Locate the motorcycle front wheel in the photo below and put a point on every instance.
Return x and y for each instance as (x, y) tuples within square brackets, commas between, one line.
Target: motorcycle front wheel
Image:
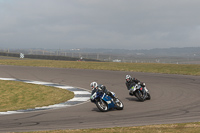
[(102, 105), (148, 96), (140, 96), (119, 104)]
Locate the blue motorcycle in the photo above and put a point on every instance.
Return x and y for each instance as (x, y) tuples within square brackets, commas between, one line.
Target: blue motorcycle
[(105, 102)]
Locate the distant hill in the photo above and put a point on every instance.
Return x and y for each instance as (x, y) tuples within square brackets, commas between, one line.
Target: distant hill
[(179, 52), (187, 55), (183, 52)]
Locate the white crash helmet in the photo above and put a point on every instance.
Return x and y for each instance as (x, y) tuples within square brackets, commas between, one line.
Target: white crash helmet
[(128, 78), (93, 85)]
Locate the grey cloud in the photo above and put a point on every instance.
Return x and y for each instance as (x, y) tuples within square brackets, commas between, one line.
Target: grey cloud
[(119, 24)]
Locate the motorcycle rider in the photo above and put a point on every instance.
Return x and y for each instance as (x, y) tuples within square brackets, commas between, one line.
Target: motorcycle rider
[(100, 88), (94, 87), (130, 82)]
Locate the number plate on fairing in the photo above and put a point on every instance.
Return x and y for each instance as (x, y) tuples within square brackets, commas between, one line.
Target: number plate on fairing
[(109, 102)]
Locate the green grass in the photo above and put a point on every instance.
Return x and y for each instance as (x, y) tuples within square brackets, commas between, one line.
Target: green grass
[(18, 95), (184, 69), (165, 128)]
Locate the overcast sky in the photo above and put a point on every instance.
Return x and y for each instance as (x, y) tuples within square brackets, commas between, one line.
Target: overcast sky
[(115, 24)]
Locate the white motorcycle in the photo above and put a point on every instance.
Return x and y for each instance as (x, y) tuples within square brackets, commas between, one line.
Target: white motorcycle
[(140, 91)]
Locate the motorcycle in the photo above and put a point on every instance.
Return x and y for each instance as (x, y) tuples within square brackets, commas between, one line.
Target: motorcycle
[(140, 92), (105, 102)]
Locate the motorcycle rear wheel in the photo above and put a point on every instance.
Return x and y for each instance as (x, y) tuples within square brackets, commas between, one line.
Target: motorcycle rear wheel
[(102, 105)]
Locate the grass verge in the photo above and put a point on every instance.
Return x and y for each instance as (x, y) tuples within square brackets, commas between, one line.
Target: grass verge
[(18, 95), (164, 128), (184, 69)]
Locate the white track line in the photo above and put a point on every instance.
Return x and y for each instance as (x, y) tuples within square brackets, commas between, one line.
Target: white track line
[(81, 95)]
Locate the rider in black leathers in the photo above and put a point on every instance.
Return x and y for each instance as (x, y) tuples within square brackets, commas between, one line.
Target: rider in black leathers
[(130, 82), (100, 88)]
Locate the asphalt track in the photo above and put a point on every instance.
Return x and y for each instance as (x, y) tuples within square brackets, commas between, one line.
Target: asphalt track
[(175, 99)]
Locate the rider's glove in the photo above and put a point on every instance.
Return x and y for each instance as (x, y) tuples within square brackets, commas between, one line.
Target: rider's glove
[(93, 97)]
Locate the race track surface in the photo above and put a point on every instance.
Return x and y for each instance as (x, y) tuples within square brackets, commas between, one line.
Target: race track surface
[(175, 99)]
